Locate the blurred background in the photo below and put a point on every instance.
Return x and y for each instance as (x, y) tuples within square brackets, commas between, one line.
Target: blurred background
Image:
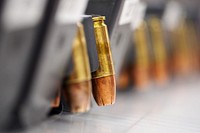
[(100, 66)]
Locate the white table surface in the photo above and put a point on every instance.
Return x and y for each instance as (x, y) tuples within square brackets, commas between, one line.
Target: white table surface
[(174, 108)]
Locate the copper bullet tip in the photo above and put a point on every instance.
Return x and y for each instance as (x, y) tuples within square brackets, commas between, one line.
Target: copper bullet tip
[(77, 96), (104, 90)]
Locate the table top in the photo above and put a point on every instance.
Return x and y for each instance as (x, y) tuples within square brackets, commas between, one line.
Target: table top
[(173, 108)]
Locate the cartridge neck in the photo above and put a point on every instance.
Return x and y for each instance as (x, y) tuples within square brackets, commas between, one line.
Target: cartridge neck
[(98, 21)]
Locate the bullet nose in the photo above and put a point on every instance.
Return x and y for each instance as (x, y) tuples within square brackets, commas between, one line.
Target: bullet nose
[(104, 90)]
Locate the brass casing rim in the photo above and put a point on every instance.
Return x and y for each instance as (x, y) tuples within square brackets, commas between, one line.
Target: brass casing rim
[(98, 18)]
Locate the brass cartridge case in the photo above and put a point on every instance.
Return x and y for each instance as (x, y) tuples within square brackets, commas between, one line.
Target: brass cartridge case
[(77, 87), (159, 64), (103, 80)]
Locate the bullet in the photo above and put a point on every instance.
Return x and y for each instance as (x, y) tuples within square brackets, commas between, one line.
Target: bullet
[(159, 62), (140, 70), (77, 87), (103, 80), (181, 60)]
